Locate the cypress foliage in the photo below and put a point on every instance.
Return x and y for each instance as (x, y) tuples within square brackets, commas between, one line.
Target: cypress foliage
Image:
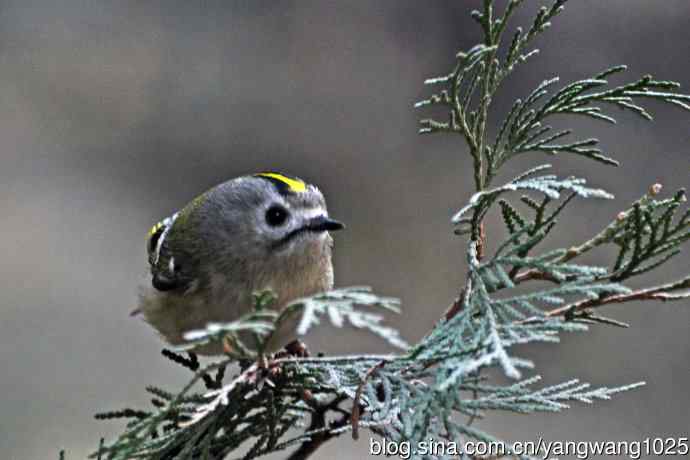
[(435, 388)]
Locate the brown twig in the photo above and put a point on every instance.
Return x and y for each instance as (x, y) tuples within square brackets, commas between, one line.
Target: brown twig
[(481, 242), (356, 409), (663, 293), (534, 275), (318, 424), (455, 308)]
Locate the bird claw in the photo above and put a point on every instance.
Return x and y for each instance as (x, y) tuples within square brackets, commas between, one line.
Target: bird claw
[(269, 366), (297, 348)]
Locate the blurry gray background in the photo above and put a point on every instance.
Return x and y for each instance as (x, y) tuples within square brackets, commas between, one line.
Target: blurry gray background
[(114, 114)]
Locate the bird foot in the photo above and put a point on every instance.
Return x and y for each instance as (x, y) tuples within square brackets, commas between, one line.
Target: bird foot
[(298, 349)]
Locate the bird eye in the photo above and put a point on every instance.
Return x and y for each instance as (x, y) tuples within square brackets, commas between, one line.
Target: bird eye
[(276, 215)]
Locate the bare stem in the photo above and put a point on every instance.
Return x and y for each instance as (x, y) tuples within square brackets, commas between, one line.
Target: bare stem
[(665, 292)]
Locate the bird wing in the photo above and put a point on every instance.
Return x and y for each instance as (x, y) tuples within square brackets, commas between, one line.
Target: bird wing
[(165, 260)]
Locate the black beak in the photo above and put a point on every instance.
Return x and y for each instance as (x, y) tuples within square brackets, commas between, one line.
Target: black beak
[(324, 224)]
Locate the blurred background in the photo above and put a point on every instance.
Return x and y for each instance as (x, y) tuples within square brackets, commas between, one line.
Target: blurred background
[(114, 114)]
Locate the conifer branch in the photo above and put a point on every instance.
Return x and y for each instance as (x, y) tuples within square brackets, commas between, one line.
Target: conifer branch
[(434, 388), (678, 290)]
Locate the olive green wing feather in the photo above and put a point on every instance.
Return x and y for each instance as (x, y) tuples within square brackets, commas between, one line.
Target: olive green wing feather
[(168, 259)]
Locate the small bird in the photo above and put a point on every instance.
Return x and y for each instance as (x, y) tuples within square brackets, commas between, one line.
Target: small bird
[(263, 231)]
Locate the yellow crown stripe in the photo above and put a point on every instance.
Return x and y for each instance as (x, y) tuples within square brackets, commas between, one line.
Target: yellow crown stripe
[(295, 185)]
